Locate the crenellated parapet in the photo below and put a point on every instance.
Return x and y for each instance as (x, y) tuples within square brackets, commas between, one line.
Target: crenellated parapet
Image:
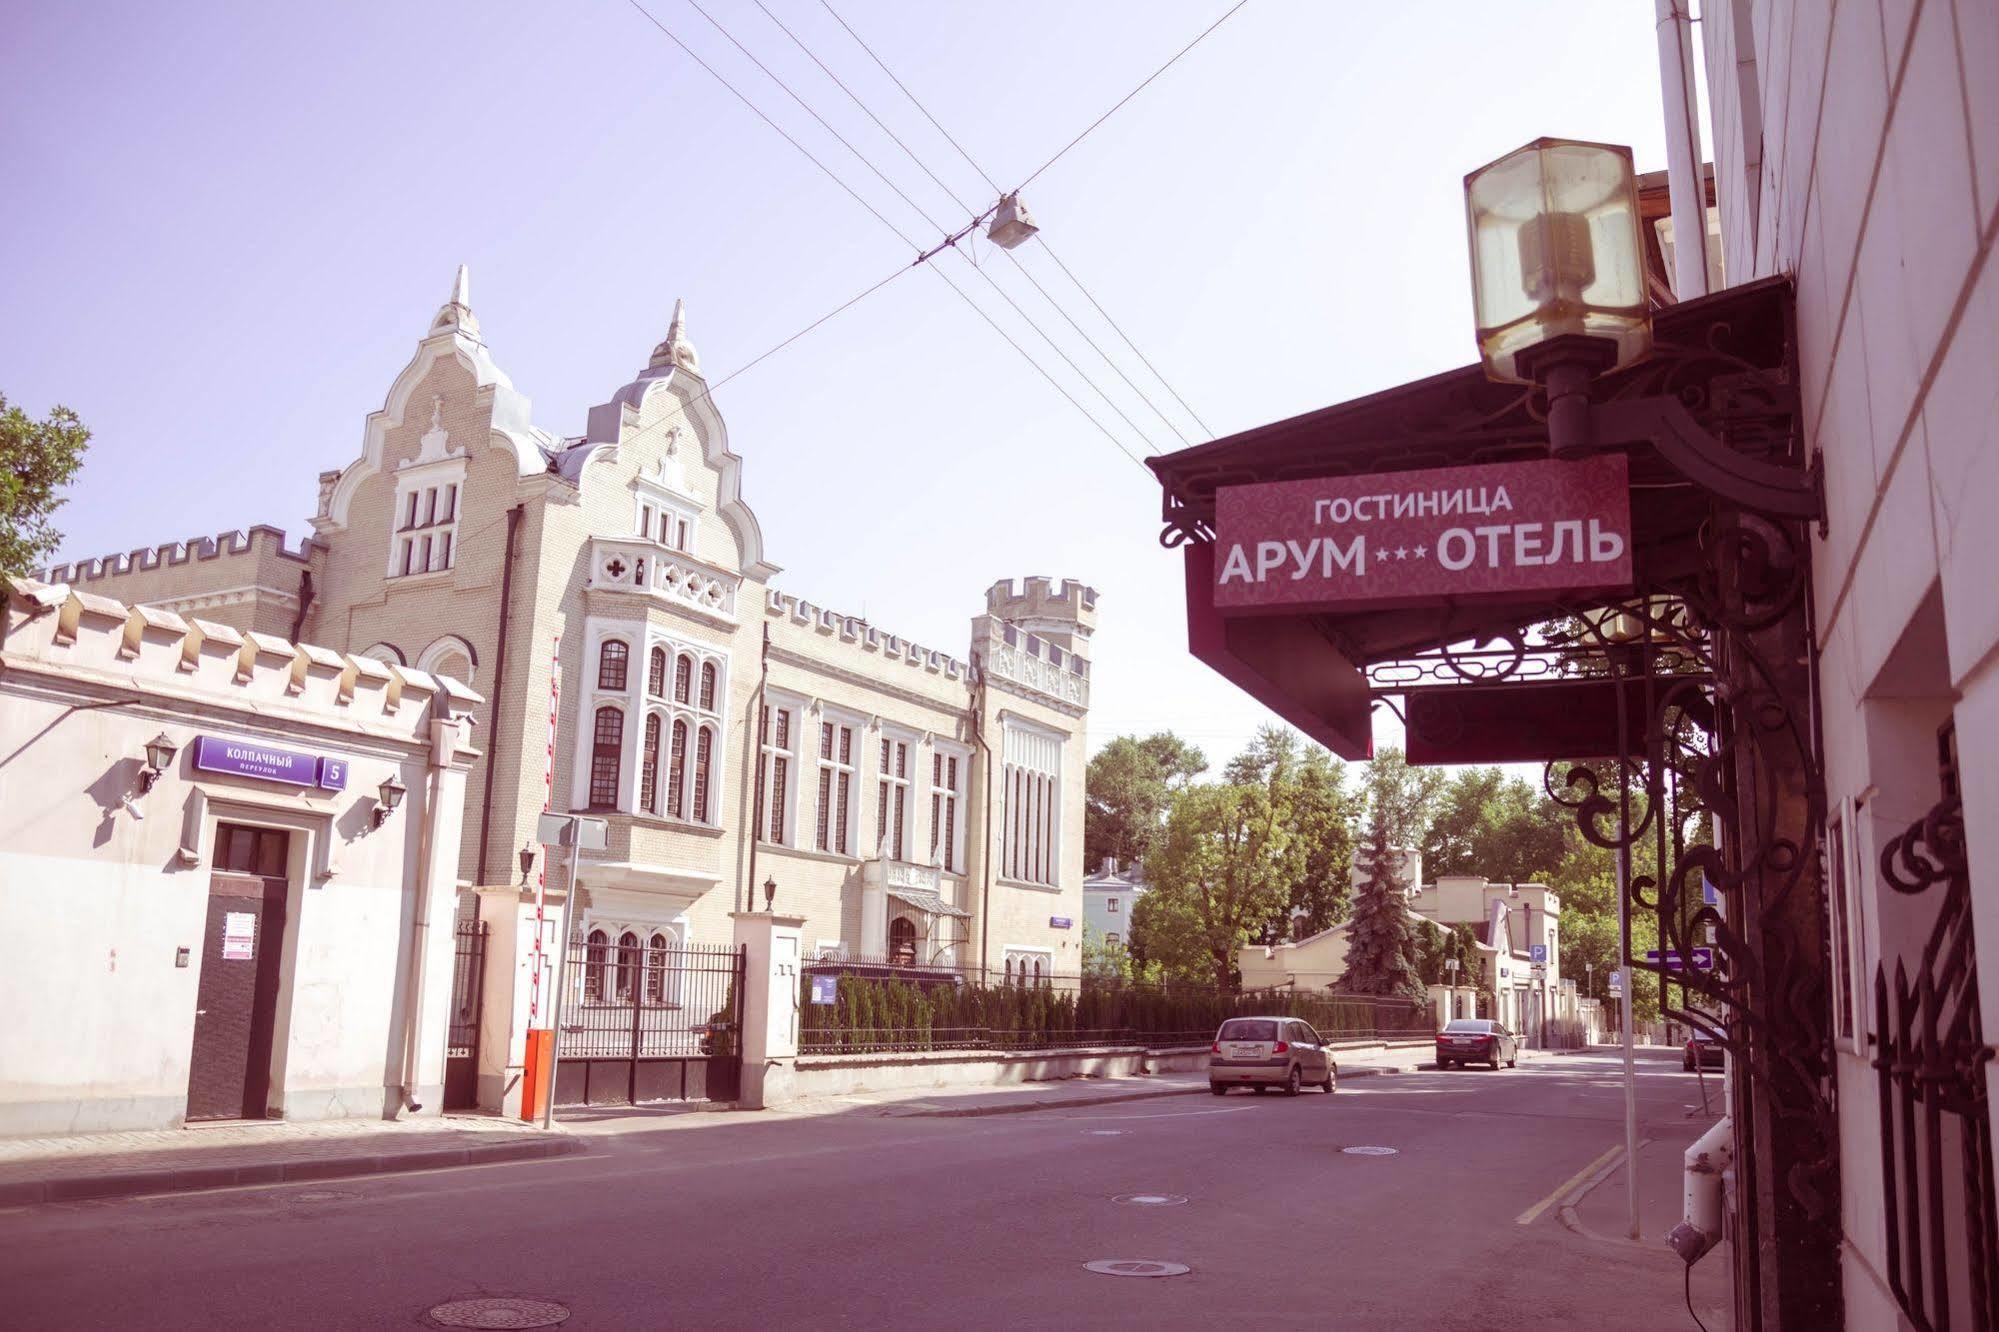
[(257, 542), (1053, 607), (88, 637), (866, 637)]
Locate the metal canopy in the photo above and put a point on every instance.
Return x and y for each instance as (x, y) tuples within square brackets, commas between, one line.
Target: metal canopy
[(1724, 357), (929, 903)]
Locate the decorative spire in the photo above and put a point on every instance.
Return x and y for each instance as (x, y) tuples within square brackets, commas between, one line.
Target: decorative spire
[(676, 350), (457, 312)]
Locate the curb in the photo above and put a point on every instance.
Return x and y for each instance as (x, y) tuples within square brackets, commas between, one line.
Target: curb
[(1151, 1093), (191, 1179)]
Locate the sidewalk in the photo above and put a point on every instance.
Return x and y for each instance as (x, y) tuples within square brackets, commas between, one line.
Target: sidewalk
[(1370, 1060), (112, 1165)]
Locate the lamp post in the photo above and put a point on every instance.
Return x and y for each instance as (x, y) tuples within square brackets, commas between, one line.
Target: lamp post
[(1451, 972)]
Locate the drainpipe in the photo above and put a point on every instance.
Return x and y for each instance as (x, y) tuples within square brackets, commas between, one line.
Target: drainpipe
[(757, 751), (986, 829), (443, 743), (499, 679), (304, 603), (1685, 184)]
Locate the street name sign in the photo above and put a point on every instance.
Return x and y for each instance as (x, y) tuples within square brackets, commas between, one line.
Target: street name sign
[(1701, 959), (240, 758), (1404, 538)]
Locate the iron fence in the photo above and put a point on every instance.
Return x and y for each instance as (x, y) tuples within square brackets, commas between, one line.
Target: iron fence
[(648, 1021), (468, 962)]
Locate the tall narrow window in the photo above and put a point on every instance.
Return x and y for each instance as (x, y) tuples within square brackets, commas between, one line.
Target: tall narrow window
[(683, 667), (836, 786), (676, 768), (774, 775), (703, 747), (1031, 781), (594, 949), (605, 753), (656, 673), (627, 965), (649, 767), (656, 970), (612, 660), (893, 806), (427, 525), (944, 811), (708, 686)]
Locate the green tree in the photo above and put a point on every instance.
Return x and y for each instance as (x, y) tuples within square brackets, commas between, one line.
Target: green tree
[(1222, 872), (1381, 958), (1126, 792), (37, 459), (1488, 823), (1323, 813)]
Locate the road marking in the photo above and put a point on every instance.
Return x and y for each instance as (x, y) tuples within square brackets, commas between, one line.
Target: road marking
[(1175, 1114), (1527, 1217)]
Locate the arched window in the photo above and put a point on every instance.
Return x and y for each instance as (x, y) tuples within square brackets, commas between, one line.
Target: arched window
[(1037, 971), (902, 941), (627, 965), (605, 753), (656, 673), (683, 668), (612, 659), (704, 747), (676, 787), (707, 686), (1009, 971), (649, 767), (594, 949), (656, 970)]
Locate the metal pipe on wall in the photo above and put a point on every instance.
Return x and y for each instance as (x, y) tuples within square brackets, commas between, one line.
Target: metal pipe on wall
[(1685, 181)]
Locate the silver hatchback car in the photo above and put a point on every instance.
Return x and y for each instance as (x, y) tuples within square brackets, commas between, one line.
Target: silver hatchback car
[(1266, 1052)]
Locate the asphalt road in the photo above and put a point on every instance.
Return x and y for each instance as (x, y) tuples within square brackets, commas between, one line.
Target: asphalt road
[(746, 1220)]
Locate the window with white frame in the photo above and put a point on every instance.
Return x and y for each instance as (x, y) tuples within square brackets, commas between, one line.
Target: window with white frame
[(607, 744), (946, 834), (777, 725), (426, 528), (834, 824), (669, 763), (668, 521), (1110, 905), (1031, 794), (892, 799), (1029, 966)]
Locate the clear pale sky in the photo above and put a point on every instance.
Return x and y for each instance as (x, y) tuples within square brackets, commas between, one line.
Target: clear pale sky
[(229, 223)]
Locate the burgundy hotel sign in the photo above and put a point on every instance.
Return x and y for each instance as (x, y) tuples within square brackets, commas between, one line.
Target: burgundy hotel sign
[(1403, 538)]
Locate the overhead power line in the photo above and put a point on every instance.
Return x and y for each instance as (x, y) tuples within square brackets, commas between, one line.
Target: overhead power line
[(949, 242), (1040, 239)]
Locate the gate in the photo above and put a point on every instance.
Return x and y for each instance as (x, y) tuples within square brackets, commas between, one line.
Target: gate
[(461, 1053), (649, 1021)]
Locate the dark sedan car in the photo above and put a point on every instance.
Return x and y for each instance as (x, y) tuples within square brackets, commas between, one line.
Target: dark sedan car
[(1477, 1041), (1704, 1050)]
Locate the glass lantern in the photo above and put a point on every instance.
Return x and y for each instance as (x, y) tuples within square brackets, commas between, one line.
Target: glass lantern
[(1555, 252)]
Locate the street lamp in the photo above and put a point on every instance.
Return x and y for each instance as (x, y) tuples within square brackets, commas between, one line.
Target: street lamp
[(389, 795), (160, 751), (1558, 273), (527, 861), (770, 895)]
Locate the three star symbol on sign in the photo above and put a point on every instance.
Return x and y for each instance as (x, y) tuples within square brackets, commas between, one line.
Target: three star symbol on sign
[(1383, 555)]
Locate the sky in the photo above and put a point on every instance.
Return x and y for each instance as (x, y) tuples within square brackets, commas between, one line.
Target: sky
[(230, 224)]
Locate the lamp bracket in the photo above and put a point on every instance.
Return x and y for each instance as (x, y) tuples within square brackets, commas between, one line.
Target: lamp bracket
[(1665, 423)]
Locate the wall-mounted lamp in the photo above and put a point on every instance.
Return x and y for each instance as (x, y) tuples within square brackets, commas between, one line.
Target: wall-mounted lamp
[(390, 795), (527, 861), (770, 894), (160, 751)]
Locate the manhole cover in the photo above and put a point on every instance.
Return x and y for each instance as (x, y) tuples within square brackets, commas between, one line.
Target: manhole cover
[(1368, 1151), (499, 1312), (1151, 1199), (1136, 1267)]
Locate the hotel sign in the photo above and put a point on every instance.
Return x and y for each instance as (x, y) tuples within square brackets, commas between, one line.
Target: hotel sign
[(1402, 538), (240, 758)]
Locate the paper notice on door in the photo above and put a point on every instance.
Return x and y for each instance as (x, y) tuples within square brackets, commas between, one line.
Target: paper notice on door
[(239, 936)]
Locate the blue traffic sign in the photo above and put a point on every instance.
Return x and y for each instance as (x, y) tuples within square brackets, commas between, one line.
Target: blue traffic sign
[(1701, 959), (1537, 953)]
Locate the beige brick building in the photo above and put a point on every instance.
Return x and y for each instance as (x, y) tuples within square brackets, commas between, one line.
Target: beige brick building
[(610, 597)]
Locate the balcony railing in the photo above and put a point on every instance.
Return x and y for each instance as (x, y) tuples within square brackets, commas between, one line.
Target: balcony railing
[(666, 575)]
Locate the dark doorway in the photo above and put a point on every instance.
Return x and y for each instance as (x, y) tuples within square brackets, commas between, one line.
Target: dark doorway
[(902, 941), (229, 1074)]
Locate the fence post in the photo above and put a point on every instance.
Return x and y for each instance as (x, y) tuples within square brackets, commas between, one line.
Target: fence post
[(768, 1006)]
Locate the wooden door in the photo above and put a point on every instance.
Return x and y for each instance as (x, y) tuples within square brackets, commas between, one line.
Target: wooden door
[(229, 1070)]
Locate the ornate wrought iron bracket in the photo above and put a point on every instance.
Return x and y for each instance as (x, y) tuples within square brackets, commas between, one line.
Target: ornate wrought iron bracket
[(1773, 490)]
